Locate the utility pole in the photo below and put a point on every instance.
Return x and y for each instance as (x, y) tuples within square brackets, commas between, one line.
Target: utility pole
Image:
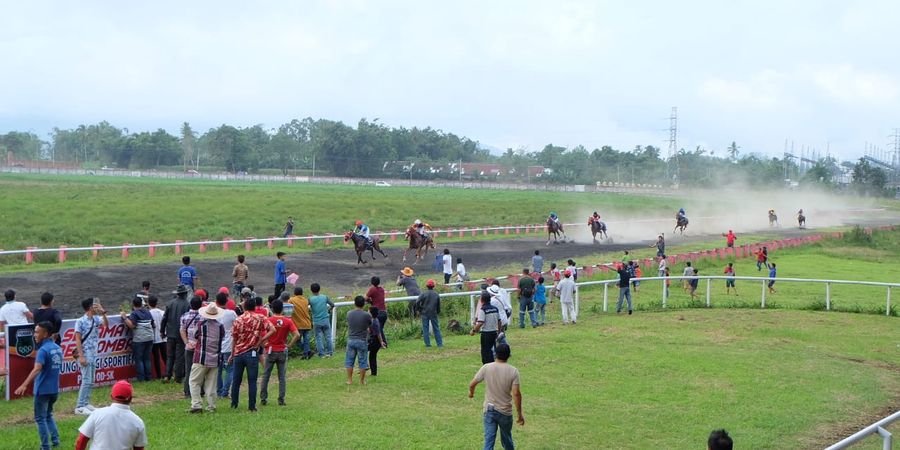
[(672, 160)]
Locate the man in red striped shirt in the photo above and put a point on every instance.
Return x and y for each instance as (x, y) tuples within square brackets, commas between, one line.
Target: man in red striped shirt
[(247, 334)]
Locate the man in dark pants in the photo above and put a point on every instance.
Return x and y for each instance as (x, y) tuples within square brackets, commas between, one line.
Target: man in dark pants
[(171, 331), (526, 299), (487, 322), (189, 323)]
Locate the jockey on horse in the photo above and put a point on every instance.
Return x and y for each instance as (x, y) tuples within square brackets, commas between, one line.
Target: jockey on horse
[(593, 218), (423, 228), (554, 218), (363, 231)]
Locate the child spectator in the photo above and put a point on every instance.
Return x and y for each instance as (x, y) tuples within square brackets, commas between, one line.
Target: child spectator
[(772, 274), (729, 283), (557, 275), (540, 300), (694, 282), (637, 273)]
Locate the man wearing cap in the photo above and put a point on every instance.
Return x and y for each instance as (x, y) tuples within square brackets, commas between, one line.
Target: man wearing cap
[(429, 305), (45, 375), (208, 339), (115, 426), (502, 296), (488, 323), (170, 328), (501, 382), (407, 280), (248, 332), (190, 321), (565, 290), (13, 312)]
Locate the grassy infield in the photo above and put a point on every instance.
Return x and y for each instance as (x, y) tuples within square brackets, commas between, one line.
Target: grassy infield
[(774, 378)]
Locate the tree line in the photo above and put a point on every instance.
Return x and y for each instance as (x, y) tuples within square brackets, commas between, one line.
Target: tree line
[(372, 149)]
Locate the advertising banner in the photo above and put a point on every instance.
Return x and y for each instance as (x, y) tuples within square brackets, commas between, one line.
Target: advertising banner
[(113, 360)]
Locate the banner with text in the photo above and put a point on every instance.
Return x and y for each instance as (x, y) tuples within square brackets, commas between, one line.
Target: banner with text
[(113, 360)]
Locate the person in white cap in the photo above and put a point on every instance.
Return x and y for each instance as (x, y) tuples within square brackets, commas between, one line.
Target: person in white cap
[(205, 365), (566, 292)]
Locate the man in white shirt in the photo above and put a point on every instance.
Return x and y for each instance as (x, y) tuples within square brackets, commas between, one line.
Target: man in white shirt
[(114, 426), (158, 351), (447, 260), (13, 312), (461, 274), (566, 291), (502, 296), (662, 266)]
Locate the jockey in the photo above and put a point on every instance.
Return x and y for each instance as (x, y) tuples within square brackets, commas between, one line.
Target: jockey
[(800, 213), (681, 214), (594, 218), (554, 218), (422, 227), (363, 230)]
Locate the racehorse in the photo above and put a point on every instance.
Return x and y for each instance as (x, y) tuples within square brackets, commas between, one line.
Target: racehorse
[(801, 220), (598, 227), (361, 245), (681, 222), (773, 219), (553, 229), (417, 242)]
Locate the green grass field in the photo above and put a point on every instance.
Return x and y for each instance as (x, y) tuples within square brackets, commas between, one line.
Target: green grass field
[(774, 379)]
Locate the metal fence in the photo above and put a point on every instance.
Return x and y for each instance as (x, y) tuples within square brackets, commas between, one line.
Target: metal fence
[(878, 428)]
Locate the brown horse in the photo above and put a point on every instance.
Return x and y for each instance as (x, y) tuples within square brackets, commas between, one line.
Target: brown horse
[(417, 242), (681, 222), (359, 244), (554, 229), (598, 227)]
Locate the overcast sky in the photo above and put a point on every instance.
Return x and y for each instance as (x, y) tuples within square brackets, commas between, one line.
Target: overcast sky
[(507, 74)]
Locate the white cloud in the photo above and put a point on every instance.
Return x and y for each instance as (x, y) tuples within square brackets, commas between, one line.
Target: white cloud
[(764, 90), (852, 86)]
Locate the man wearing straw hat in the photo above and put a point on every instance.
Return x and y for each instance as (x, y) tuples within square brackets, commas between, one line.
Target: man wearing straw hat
[(205, 368), (407, 280)]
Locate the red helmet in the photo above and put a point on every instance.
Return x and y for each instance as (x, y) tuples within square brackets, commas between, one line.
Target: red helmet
[(358, 222)]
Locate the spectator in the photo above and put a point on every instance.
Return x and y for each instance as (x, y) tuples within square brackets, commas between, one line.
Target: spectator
[(45, 374), (772, 273), (202, 295), (320, 306), (487, 322), (624, 289), (13, 312), (87, 337), (501, 382), (729, 239), (358, 323), (281, 273), (762, 259), (719, 440), (140, 322), (540, 301), (289, 227), (187, 275), (573, 269), (638, 273), (503, 296), (461, 275), (668, 282), (239, 275), (375, 296), (447, 262), (663, 266), (302, 320), (557, 276), (144, 293), (407, 279), (526, 298), (189, 323), (660, 245), (171, 331), (688, 271), (375, 340), (694, 283), (248, 332), (565, 290), (429, 305), (158, 350), (537, 262), (50, 314), (209, 336), (729, 282), (229, 303), (224, 366), (114, 426), (277, 352)]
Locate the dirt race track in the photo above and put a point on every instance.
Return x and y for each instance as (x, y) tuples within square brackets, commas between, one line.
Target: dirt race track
[(336, 270)]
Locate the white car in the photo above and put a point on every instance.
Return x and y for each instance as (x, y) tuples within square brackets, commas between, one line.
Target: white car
[(382, 184)]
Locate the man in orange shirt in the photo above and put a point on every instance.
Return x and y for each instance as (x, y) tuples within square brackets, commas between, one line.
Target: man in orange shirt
[(302, 320)]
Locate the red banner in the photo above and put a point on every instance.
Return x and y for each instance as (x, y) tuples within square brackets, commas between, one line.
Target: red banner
[(113, 360)]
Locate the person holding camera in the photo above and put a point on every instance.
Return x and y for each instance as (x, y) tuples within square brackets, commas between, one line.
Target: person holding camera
[(87, 337)]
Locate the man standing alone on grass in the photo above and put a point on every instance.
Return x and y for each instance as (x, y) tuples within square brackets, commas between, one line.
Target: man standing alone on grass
[(537, 262), (660, 245), (187, 275), (248, 332), (302, 320), (45, 375), (501, 382), (358, 323), (205, 363), (277, 351), (87, 338), (429, 306), (772, 274), (447, 262), (729, 239), (565, 290), (526, 299), (289, 227), (281, 273)]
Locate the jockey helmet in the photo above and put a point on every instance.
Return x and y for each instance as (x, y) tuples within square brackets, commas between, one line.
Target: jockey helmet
[(552, 214), (595, 213), (417, 222), (358, 222)]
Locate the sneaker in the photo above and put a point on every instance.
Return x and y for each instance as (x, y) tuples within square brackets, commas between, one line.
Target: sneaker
[(89, 407), (264, 402), (195, 410), (629, 312), (210, 410), (82, 411)]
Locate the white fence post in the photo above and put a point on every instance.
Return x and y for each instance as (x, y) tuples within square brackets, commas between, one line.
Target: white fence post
[(763, 304), (471, 310), (828, 296), (333, 324), (887, 310), (664, 296), (577, 300), (708, 288), (606, 297)]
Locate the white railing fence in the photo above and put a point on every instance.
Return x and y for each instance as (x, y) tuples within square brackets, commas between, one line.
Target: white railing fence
[(879, 428)]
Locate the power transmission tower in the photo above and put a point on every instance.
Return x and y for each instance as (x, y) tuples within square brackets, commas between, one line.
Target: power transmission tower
[(672, 160), (895, 149)]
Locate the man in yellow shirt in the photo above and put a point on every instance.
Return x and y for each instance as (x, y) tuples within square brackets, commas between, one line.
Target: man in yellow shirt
[(301, 318)]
